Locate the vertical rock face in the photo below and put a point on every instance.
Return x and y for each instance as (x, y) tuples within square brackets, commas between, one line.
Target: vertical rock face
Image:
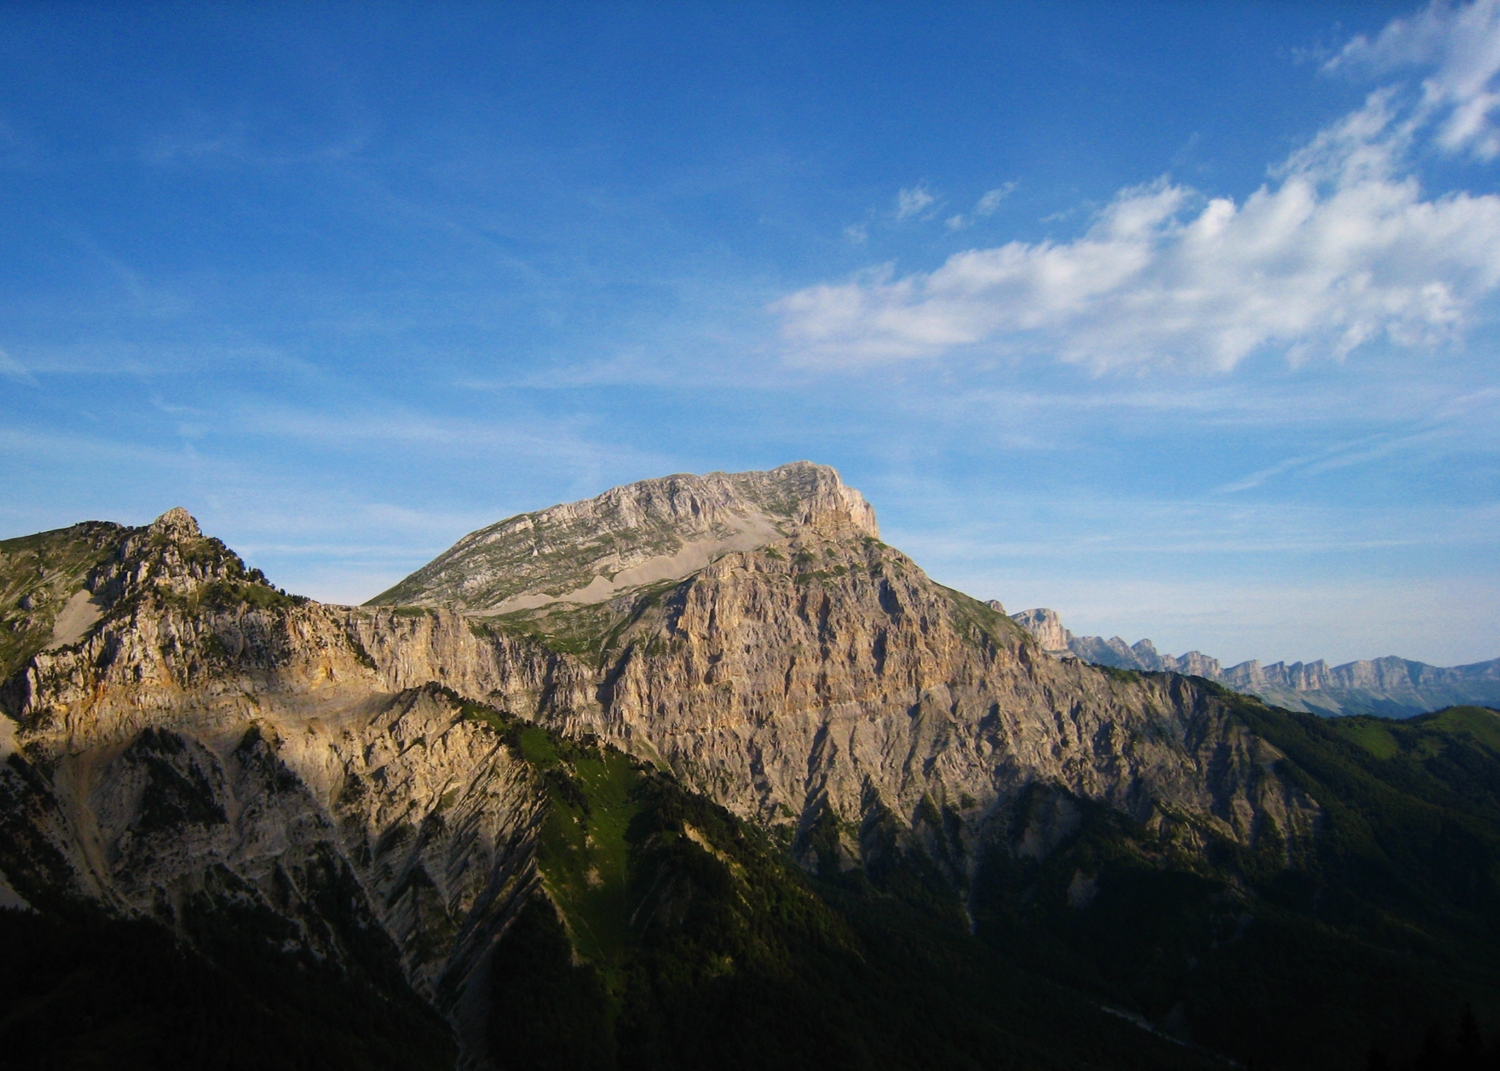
[(829, 676), (1046, 628), (210, 740)]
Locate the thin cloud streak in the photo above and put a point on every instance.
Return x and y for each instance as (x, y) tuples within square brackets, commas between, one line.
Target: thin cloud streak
[(1339, 456), (13, 368), (914, 201)]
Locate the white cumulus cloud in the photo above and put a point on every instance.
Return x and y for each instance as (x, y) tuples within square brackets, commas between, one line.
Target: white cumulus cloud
[(1342, 247)]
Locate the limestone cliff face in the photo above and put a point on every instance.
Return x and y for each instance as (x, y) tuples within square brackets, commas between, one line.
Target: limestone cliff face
[(214, 748), (828, 674), (1047, 629), (209, 743)]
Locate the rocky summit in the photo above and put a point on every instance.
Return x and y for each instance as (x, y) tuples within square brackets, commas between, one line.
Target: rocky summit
[(644, 533), (697, 772)]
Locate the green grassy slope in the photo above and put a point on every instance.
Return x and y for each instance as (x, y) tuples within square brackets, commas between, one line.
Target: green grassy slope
[(37, 575)]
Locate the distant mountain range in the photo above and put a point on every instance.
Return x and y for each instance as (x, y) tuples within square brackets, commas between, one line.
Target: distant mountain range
[(1387, 687)]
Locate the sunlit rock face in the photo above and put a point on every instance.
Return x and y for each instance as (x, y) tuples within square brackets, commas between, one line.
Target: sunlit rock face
[(643, 533), (212, 749), (1046, 628), (208, 743)]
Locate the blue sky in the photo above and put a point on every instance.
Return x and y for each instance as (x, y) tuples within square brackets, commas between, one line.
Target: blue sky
[(1179, 318)]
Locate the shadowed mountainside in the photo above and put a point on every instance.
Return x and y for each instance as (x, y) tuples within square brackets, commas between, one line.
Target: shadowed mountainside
[(802, 778)]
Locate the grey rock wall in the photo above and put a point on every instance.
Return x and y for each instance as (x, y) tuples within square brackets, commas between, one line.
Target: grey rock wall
[(211, 741)]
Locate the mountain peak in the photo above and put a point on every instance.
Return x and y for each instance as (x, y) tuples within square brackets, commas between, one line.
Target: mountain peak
[(641, 533), (177, 523), (825, 499), (1047, 627)]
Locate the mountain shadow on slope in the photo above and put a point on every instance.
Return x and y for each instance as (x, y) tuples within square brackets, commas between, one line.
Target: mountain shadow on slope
[(1291, 956), (84, 990), (672, 935)]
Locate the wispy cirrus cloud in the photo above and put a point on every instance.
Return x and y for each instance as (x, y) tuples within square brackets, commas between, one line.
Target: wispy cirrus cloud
[(13, 368), (1338, 456), (913, 202), (1341, 248), (1461, 46), (986, 206)]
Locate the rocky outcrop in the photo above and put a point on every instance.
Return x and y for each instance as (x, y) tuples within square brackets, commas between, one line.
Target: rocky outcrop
[(1046, 629), (39, 577), (214, 746), (1389, 687)]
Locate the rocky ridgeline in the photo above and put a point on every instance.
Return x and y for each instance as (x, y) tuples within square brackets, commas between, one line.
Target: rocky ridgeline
[(1388, 687), (204, 742), (214, 748)]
